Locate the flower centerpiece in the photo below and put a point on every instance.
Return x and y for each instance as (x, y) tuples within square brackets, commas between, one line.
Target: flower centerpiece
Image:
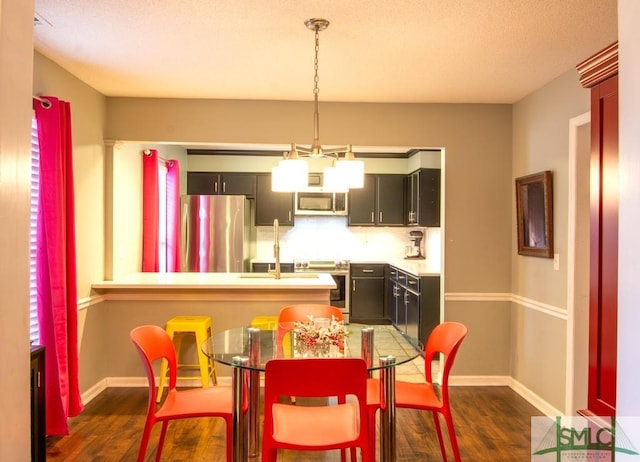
[(319, 337)]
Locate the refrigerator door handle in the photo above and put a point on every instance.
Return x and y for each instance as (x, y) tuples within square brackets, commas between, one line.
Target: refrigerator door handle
[(186, 237)]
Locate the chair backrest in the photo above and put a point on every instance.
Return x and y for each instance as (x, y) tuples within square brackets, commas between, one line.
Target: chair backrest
[(300, 312), (444, 338), (153, 344), (317, 378)]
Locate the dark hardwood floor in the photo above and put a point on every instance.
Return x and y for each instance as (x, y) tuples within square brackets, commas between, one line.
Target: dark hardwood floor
[(492, 423)]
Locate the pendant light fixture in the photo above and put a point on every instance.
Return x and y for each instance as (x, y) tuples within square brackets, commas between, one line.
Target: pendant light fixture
[(291, 173)]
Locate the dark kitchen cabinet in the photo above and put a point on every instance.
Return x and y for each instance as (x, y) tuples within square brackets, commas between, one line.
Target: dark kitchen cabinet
[(271, 205), (362, 203), (413, 304), (228, 183), (391, 293), (429, 306), (264, 267), (367, 293), (423, 197), (38, 441), (381, 202)]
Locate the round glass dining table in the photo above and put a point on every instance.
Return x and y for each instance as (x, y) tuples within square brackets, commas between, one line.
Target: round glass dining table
[(248, 349)]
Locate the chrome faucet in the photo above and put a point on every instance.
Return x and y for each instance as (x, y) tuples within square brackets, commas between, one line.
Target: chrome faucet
[(276, 248)]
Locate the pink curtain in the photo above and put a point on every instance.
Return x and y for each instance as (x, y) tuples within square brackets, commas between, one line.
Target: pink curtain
[(173, 216), (56, 266), (150, 204)]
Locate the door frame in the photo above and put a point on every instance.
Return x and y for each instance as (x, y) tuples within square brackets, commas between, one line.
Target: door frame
[(576, 350)]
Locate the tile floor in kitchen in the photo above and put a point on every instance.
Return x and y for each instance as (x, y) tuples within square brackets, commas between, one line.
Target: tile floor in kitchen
[(389, 340)]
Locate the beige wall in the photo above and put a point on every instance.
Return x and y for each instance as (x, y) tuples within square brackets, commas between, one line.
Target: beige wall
[(541, 142), (87, 123), (479, 173), (477, 140), (16, 43), (477, 144)]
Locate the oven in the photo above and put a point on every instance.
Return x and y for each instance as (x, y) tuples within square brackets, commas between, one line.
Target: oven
[(339, 271)]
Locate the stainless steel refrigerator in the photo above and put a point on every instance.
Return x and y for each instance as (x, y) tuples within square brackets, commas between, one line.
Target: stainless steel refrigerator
[(217, 234)]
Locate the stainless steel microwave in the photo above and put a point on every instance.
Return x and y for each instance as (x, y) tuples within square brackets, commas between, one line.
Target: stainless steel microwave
[(315, 201)]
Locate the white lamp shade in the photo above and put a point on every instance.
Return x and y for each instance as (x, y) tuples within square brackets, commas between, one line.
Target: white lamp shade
[(352, 171), (290, 175), (334, 180)]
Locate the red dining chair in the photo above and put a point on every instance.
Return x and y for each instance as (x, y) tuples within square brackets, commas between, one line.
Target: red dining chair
[(315, 427), (154, 344), (445, 338), (300, 312)]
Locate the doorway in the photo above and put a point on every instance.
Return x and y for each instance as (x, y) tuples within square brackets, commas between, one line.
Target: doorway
[(578, 263)]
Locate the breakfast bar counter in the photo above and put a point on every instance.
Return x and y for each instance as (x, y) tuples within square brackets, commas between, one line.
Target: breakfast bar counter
[(230, 299), (216, 286)]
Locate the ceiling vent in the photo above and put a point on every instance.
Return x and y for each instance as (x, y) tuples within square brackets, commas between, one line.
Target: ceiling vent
[(38, 20)]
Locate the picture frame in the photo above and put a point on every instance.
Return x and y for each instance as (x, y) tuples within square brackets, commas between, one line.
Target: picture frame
[(534, 212)]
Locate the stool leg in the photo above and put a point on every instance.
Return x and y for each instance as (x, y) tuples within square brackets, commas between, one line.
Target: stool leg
[(212, 364), (203, 360), (163, 369)]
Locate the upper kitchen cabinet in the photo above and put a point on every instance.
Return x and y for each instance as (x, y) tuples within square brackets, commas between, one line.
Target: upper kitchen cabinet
[(423, 197), (228, 183), (271, 205), (379, 203)]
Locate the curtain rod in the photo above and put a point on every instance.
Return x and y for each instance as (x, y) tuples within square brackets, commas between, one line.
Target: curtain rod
[(147, 152), (43, 101)]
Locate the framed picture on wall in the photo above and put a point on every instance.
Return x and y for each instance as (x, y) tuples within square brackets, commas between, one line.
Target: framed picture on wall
[(534, 211)]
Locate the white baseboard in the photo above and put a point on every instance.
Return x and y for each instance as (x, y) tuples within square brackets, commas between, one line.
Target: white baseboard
[(454, 380), (505, 380), (535, 400), (479, 380)]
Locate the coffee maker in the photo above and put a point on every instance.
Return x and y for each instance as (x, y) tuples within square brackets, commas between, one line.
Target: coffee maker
[(414, 251)]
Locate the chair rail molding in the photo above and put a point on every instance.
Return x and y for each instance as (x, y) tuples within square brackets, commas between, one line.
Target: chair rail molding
[(551, 310)]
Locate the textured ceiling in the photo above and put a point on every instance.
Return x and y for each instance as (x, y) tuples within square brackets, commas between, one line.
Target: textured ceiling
[(485, 51)]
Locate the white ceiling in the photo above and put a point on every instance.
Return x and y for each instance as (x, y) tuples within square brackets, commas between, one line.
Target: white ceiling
[(484, 51)]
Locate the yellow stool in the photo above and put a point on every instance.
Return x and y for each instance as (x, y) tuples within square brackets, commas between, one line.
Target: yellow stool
[(200, 328), (265, 322)]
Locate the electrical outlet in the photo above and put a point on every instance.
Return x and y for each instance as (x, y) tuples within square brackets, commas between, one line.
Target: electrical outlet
[(556, 261)]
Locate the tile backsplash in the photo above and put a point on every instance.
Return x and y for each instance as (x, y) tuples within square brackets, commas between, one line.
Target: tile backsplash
[(331, 238)]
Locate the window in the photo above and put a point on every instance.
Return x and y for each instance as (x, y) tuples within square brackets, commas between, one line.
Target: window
[(34, 331)]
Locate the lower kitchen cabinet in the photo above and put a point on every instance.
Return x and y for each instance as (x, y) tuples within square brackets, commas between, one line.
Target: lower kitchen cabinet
[(38, 438), (367, 293), (429, 305), (412, 304), (261, 267)]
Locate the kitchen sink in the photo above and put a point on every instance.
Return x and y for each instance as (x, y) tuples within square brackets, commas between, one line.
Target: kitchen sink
[(282, 275)]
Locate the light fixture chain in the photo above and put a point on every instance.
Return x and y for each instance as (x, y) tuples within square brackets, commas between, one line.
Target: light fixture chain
[(316, 79)]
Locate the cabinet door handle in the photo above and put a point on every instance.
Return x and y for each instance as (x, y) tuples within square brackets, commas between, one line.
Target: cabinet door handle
[(381, 220), (224, 186), (289, 215), (412, 283), (215, 187), (354, 285), (367, 270), (373, 217)]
